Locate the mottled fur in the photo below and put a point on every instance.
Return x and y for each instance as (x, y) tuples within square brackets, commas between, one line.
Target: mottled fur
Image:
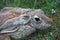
[(25, 22)]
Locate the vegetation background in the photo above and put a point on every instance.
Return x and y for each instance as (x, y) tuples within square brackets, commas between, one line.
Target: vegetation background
[(51, 33)]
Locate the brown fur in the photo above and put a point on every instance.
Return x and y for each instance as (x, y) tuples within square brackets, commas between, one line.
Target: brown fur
[(5, 17)]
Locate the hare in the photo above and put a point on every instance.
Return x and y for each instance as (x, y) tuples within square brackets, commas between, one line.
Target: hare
[(27, 22)]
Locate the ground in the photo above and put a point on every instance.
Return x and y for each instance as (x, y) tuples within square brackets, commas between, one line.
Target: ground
[(51, 33)]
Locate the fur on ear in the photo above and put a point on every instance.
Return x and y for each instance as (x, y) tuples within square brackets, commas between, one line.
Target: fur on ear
[(23, 19)]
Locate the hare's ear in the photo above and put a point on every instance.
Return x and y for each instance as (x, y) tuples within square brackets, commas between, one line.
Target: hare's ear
[(26, 19)]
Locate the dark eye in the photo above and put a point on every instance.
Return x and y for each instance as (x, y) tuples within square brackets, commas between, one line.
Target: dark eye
[(37, 19)]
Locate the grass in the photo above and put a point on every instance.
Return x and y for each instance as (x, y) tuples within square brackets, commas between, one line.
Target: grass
[(51, 33)]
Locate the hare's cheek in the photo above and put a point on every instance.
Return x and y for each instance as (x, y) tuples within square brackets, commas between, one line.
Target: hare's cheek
[(48, 25)]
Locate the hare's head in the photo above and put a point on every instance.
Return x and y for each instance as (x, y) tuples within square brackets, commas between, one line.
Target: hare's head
[(39, 22), (35, 21)]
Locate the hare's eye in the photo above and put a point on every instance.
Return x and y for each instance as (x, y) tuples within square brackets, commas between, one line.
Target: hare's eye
[(37, 19)]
